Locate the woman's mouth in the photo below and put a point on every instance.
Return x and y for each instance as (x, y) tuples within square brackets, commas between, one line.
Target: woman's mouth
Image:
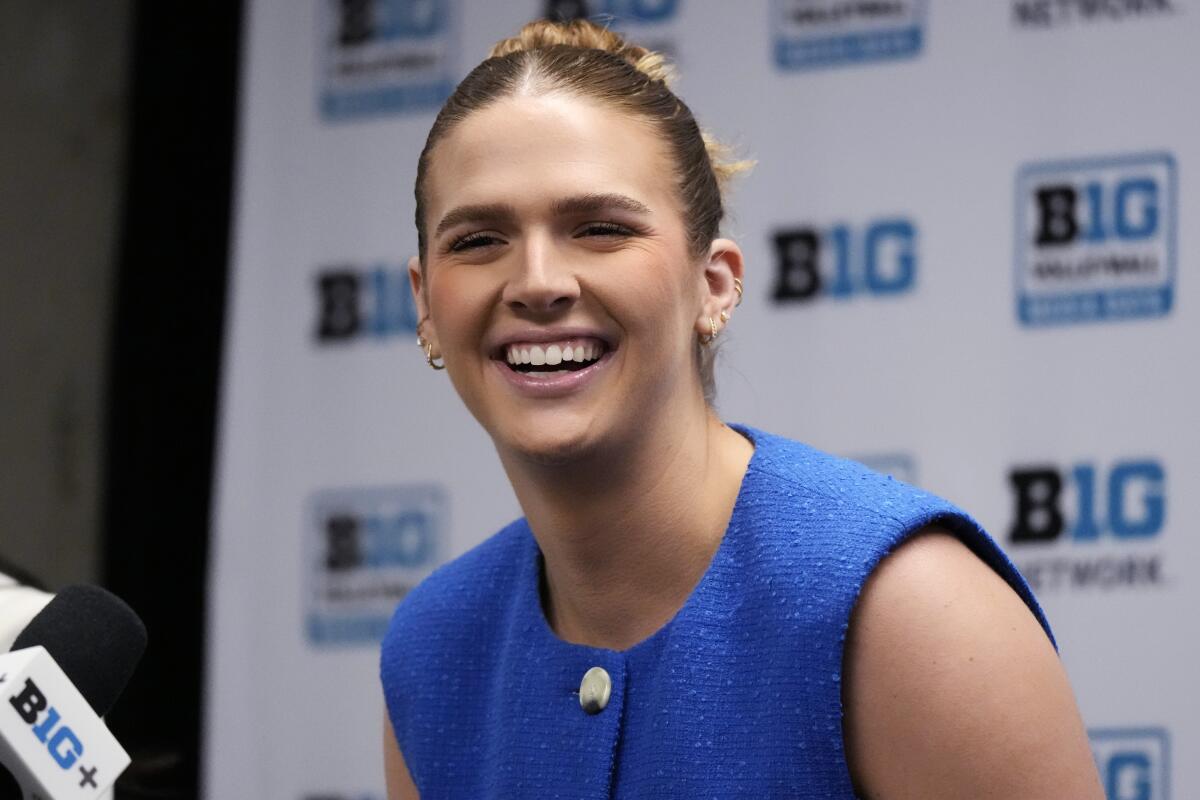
[(553, 369), (568, 355)]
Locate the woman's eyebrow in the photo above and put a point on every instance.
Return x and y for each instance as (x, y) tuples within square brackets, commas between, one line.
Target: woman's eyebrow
[(589, 203), (492, 212)]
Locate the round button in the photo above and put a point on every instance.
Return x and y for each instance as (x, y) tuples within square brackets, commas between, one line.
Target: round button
[(594, 690)]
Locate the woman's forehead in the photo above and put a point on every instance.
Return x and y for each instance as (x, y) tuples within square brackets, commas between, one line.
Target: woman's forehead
[(529, 151)]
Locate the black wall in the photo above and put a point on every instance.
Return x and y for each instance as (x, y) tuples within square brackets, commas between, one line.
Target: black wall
[(164, 370)]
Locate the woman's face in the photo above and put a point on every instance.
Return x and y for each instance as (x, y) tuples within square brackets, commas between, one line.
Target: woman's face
[(555, 237)]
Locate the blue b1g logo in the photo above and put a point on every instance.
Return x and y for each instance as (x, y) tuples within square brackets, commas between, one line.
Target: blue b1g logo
[(844, 261), (366, 549), (1134, 763), (1095, 239), (821, 33), (385, 56), (353, 303), (1127, 500)]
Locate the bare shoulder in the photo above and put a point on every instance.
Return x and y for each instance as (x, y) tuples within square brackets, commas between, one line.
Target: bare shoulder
[(399, 783), (952, 689)]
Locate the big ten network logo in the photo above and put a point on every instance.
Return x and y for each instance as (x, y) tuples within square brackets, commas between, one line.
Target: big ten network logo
[(878, 259), (1095, 239), (51, 730), (353, 303), (385, 56), (366, 549), (900, 466), (1056, 13), (1097, 525), (821, 33), (1134, 763), (648, 22)]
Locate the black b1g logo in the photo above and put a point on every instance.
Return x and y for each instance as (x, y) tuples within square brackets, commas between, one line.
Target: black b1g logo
[(1126, 501), (374, 302), (878, 259)]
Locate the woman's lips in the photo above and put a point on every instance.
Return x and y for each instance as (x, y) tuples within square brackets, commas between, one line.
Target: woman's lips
[(553, 383)]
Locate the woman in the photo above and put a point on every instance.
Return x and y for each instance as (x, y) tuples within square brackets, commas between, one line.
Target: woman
[(687, 609)]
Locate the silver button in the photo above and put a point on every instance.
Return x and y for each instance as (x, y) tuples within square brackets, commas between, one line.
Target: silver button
[(594, 690)]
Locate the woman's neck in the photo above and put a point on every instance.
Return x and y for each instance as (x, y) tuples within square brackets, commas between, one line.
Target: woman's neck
[(627, 535)]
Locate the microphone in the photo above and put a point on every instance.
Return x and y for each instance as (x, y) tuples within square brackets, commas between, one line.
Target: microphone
[(67, 668)]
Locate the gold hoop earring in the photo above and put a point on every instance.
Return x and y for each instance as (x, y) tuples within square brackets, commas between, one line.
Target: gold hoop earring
[(712, 326), (429, 357), (737, 287), (427, 346)]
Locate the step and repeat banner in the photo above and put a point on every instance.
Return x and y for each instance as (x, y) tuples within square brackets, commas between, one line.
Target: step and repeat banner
[(972, 248)]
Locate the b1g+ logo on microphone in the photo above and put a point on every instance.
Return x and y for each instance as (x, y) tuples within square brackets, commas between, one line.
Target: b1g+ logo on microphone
[(366, 549), (1093, 525), (1134, 763), (877, 259), (47, 724), (385, 56), (1095, 239), (823, 33), (354, 303)]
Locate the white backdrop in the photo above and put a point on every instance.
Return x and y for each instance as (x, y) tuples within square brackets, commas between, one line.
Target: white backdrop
[(969, 264)]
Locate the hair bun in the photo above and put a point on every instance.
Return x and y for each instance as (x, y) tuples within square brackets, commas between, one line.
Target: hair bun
[(586, 35)]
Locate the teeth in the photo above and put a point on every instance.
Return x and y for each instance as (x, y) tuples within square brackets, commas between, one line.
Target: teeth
[(553, 354)]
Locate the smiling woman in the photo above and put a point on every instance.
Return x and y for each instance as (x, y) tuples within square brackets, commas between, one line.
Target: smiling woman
[(687, 608)]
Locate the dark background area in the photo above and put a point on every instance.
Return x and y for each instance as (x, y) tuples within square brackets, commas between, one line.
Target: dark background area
[(164, 366)]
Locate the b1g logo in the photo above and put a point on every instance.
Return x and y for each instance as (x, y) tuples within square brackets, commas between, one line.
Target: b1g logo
[(366, 549), (645, 21), (1134, 763), (821, 33), (1095, 239), (1090, 506), (878, 259), (385, 56), (619, 11), (353, 303), (51, 730)]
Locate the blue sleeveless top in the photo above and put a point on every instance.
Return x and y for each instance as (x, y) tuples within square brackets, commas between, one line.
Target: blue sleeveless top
[(738, 696)]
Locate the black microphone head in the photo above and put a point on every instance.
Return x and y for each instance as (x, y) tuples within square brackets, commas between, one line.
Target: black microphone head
[(94, 636)]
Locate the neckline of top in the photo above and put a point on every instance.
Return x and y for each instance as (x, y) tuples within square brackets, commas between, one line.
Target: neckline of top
[(528, 588)]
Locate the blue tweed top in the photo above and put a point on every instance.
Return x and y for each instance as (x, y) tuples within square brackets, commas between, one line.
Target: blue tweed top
[(739, 695)]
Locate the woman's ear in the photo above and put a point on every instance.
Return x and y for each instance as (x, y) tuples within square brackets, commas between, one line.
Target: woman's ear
[(416, 281), (723, 284)]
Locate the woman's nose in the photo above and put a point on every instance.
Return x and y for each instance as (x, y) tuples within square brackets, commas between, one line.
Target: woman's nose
[(543, 281)]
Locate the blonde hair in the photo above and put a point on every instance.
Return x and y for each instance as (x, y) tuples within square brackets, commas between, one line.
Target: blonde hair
[(587, 60)]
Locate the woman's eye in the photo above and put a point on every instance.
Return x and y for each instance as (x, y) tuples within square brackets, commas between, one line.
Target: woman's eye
[(604, 229), (473, 241)]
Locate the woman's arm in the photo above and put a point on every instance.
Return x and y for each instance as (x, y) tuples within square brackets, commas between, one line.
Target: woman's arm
[(952, 689), (399, 783)]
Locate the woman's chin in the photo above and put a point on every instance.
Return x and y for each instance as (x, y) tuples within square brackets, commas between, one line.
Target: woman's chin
[(553, 444)]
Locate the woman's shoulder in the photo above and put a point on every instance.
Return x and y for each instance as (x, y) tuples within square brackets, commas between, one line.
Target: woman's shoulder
[(950, 680), (807, 474)]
